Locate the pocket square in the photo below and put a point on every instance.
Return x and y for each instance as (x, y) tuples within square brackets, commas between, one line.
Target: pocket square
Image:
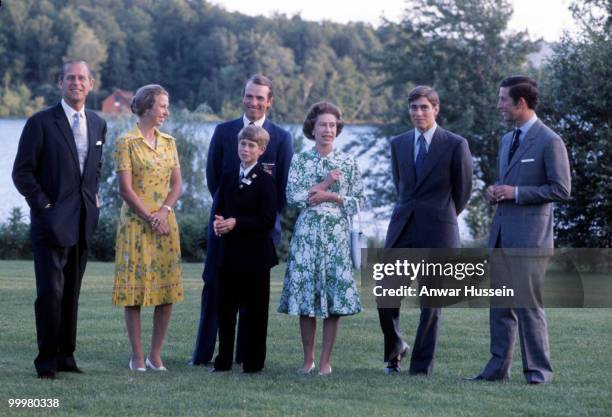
[(527, 160), (99, 143)]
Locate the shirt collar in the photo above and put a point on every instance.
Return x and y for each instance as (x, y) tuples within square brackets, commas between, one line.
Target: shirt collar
[(70, 112), (245, 172), (427, 134), (259, 122), (527, 125), (158, 134)]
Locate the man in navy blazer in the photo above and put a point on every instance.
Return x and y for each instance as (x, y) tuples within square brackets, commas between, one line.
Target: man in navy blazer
[(432, 174), (222, 157), (57, 169)]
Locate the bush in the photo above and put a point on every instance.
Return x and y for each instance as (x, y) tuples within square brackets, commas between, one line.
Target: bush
[(103, 243), (193, 229), (15, 237)]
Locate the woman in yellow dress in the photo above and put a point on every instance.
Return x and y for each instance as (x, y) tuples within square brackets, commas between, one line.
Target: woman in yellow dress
[(147, 252)]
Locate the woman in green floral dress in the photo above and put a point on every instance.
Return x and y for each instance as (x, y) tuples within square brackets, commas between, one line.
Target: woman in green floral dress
[(325, 185)]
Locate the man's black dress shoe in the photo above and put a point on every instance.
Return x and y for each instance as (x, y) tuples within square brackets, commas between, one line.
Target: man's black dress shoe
[(424, 373), (46, 375), (538, 382), (205, 364), (215, 370), (480, 377), (67, 368), (393, 366)]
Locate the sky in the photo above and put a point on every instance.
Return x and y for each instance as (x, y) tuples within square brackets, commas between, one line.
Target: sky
[(542, 18)]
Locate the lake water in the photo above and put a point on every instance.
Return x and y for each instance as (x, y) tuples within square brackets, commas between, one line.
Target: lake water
[(10, 131)]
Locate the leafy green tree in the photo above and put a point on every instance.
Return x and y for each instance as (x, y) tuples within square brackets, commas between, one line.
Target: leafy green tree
[(17, 100), (577, 103), (463, 49)]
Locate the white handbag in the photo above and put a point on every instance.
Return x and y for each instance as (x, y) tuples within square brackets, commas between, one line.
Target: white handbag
[(358, 241)]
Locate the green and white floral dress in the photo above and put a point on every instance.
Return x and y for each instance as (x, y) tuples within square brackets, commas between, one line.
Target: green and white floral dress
[(319, 279)]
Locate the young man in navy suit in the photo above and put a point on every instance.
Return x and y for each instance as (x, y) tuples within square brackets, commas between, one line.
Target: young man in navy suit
[(57, 169), (222, 157), (244, 217), (432, 174)]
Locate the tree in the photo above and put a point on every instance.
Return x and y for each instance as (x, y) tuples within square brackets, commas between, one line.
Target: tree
[(16, 100), (462, 49), (577, 103), (85, 45)]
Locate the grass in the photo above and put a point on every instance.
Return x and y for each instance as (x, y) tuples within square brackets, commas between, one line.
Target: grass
[(580, 350)]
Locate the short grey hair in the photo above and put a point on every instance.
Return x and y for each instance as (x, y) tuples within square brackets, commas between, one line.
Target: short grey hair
[(144, 98), (69, 62)]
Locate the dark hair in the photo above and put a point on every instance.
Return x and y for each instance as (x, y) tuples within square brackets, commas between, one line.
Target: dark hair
[(317, 109), (522, 86), (255, 134), (71, 62), (144, 99), (261, 79), (424, 91)]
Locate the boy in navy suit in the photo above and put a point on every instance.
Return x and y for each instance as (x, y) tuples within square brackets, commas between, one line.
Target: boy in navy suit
[(244, 217)]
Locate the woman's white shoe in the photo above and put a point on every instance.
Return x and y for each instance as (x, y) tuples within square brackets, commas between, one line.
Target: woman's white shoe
[(153, 367), (136, 369)]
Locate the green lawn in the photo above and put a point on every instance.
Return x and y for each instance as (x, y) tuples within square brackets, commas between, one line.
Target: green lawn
[(580, 345)]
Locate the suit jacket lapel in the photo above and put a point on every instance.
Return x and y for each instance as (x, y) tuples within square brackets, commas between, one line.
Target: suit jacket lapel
[(436, 149), (64, 127), (504, 148), (91, 143), (406, 149), (526, 143)]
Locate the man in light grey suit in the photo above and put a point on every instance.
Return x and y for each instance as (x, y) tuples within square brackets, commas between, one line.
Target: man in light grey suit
[(432, 174), (533, 173)]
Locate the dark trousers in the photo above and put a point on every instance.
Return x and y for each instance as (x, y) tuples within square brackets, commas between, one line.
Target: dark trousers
[(209, 318), (59, 272), (423, 351), (248, 291)]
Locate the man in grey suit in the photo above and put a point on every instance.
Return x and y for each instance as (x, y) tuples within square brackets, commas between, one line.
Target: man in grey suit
[(432, 174), (533, 173)]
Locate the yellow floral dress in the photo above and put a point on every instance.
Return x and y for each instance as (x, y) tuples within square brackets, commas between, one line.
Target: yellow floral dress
[(147, 264)]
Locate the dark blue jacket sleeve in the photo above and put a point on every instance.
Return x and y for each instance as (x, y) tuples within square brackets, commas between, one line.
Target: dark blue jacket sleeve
[(283, 161), (25, 167), (214, 162)]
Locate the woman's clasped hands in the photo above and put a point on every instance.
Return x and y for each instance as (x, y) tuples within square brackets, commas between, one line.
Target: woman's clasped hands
[(158, 221), (318, 193)]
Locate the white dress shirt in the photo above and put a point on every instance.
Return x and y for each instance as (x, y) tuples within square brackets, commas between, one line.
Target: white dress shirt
[(259, 122)]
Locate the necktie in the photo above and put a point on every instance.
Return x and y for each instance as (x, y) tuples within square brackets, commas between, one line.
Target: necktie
[(515, 144), (80, 140), (241, 177), (420, 159)]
